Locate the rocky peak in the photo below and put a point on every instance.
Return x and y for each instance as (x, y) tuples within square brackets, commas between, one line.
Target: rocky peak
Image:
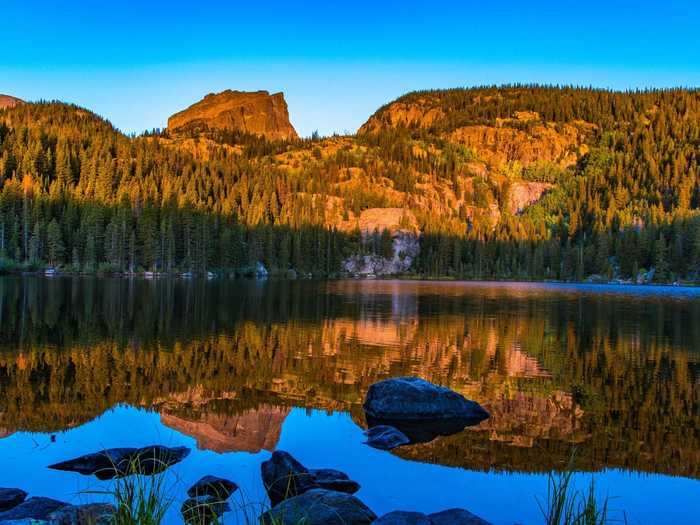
[(6, 101), (258, 113)]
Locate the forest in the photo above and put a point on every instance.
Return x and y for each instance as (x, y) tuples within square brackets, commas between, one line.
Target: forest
[(79, 195)]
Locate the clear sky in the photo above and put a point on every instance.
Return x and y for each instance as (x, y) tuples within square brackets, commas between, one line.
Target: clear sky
[(136, 63)]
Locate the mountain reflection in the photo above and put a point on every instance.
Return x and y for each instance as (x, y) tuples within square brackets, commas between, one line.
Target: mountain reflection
[(224, 362)]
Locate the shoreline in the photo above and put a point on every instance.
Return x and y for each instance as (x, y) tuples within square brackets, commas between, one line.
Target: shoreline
[(282, 276)]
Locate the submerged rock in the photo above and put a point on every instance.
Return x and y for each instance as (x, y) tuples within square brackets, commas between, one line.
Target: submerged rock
[(10, 498), (331, 479), (456, 517), (34, 508), (212, 486), (119, 462), (89, 514), (319, 507), (203, 510), (402, 517), (414, 399), (386, 437), (284, 477), (446, 517)]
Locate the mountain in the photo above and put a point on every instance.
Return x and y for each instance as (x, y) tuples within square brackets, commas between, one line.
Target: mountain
[(6, 101), (515, 182), (256, 113)]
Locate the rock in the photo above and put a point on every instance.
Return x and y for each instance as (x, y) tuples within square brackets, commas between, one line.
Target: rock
[(212, 486), (119, 462), (10, 498), (319, 507), (331, 479), (402, 517), (203, 510), (6, 101), (284, 477), (257, 113), (35, 508), (89, 514), (386, 437), (446, 517), (414, 399), (456, 517)]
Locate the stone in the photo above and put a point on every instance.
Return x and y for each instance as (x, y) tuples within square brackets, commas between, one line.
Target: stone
[(35, 508), (456, 517), (386, 437), (319, 507), (119, 462), (203, 510), (284, 477), (331, 479), (10, 498), (213, 486), (402, 517), (445, 517), (89, 514), (415, 399)]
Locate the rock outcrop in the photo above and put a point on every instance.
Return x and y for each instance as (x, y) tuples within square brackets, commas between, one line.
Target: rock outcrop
[(403, 231), (6, 101), (257, 113)]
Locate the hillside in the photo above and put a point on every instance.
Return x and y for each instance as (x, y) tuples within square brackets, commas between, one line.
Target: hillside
[(510, 182)]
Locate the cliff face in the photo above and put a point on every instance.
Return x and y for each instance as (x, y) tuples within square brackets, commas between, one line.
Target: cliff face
[(6, 101), (257, 113)]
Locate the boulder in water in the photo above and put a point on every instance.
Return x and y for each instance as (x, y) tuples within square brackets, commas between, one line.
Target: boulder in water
[(446, 517), (213, 486), (414, 399), (319, 507), (331, 479), (203, 510), (10, 498), (456, 517), (32, 508), (284, 477), (89, 514), (119, 462), (402, 517)]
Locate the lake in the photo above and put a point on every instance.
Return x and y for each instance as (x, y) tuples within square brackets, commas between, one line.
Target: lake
[(235, 369)]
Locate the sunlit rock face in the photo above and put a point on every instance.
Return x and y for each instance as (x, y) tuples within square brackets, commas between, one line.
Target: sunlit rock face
[(7, 101), (402, 227), (249, 431), (257, 113)]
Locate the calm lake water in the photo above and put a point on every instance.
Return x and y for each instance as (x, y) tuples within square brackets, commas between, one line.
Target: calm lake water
[(236, 369)]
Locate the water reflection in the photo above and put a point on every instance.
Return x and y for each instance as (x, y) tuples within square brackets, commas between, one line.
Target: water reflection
[(615, 374)]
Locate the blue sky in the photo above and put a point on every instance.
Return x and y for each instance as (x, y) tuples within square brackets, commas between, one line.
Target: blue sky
[(337, 62)]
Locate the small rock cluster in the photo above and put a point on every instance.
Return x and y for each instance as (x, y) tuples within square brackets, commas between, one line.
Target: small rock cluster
[(16, 509)]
